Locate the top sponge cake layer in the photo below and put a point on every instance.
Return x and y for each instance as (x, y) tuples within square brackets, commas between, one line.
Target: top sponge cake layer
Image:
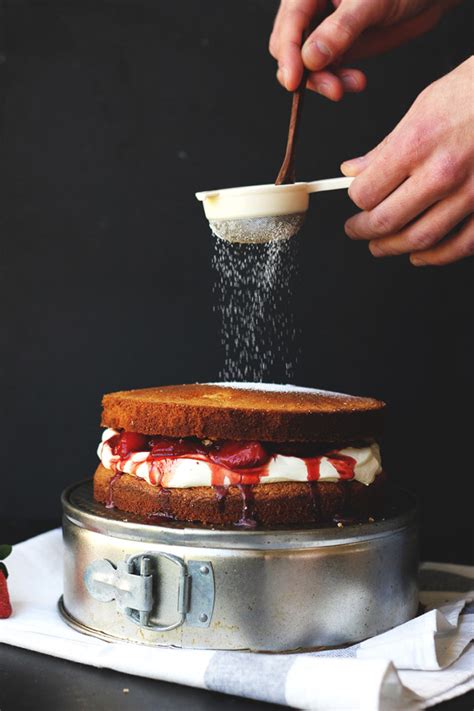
[(240, 411)]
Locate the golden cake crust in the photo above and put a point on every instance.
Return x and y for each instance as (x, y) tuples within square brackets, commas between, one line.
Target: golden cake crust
[(282, 414), (286, 503)]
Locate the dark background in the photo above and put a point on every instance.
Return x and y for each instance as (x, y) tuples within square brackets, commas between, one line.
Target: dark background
[(112, 115)]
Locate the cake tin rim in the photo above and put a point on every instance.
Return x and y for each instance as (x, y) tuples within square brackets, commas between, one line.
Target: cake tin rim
[(265, 539)]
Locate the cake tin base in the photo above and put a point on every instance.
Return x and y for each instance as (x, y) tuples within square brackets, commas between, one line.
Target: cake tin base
[(194, 587)]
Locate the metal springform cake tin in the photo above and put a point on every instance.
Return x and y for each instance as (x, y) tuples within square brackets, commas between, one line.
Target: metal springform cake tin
[(259, 590)]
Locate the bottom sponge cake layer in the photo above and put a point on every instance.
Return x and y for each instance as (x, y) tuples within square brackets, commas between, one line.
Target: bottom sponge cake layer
[(265, 505)]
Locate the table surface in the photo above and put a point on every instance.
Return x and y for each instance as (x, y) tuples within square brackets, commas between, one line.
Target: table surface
[(57, 684)]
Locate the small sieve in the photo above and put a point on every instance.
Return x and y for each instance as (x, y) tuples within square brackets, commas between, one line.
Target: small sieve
[(261, 213)]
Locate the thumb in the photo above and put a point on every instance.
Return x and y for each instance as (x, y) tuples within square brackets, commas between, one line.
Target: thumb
[(353, 167), (338, 32)]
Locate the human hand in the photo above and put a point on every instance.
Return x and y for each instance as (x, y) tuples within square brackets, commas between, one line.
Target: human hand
[(418, 184), (354, 30)]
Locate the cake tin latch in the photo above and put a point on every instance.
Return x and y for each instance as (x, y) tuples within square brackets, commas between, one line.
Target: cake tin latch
[(131, 585)]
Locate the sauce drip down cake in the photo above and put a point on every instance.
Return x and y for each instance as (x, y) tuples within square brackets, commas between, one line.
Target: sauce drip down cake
[(241, 455)]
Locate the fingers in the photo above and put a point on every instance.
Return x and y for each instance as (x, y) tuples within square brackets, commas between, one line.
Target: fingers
[(327, 84), (412, 198), (453, 249), (385, 216), (293, 17), (353, 167), (378, 173), (353, 80), (334, 84), (382, 39), (290, 63), (428, 230), (338, 32)]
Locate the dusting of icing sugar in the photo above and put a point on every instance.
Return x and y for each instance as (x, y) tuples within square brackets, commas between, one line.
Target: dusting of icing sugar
[(278, 388)]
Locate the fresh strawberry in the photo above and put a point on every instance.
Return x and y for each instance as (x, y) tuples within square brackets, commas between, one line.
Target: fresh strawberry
[(5, 606), (239, 455)]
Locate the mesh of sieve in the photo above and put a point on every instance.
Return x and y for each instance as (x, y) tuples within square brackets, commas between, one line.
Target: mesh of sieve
[(257, 230)]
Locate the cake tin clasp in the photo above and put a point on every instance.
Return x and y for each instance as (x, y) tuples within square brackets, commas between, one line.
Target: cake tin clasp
[(134, 586)]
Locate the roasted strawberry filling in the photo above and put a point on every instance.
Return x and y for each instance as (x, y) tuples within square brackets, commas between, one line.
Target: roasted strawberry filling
[(188, 461), (245, 454), (239, 455)]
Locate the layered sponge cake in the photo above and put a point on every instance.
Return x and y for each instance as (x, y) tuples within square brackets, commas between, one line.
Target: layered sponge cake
[(243, 455)]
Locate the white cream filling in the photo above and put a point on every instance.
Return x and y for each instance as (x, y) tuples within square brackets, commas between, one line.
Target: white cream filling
[(188, 471)]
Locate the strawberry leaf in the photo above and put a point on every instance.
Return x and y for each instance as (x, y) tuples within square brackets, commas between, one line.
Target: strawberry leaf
[(5, 550), (3, 569)]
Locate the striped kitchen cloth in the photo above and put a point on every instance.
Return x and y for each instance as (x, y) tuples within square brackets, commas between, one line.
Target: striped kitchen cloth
[(421, 663)]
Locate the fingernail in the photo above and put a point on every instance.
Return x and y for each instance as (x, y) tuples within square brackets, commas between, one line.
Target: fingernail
[(417, 262), (317, 54), (322, 87), (375, 250), (352, 167), (323, 48), (285, 76), (348, 230), (349, 82), (280, 75)]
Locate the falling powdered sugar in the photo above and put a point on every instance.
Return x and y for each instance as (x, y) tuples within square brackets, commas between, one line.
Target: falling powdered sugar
[(253, 289)]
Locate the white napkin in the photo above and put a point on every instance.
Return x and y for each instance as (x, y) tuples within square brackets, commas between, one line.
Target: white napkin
[(414, 666)]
